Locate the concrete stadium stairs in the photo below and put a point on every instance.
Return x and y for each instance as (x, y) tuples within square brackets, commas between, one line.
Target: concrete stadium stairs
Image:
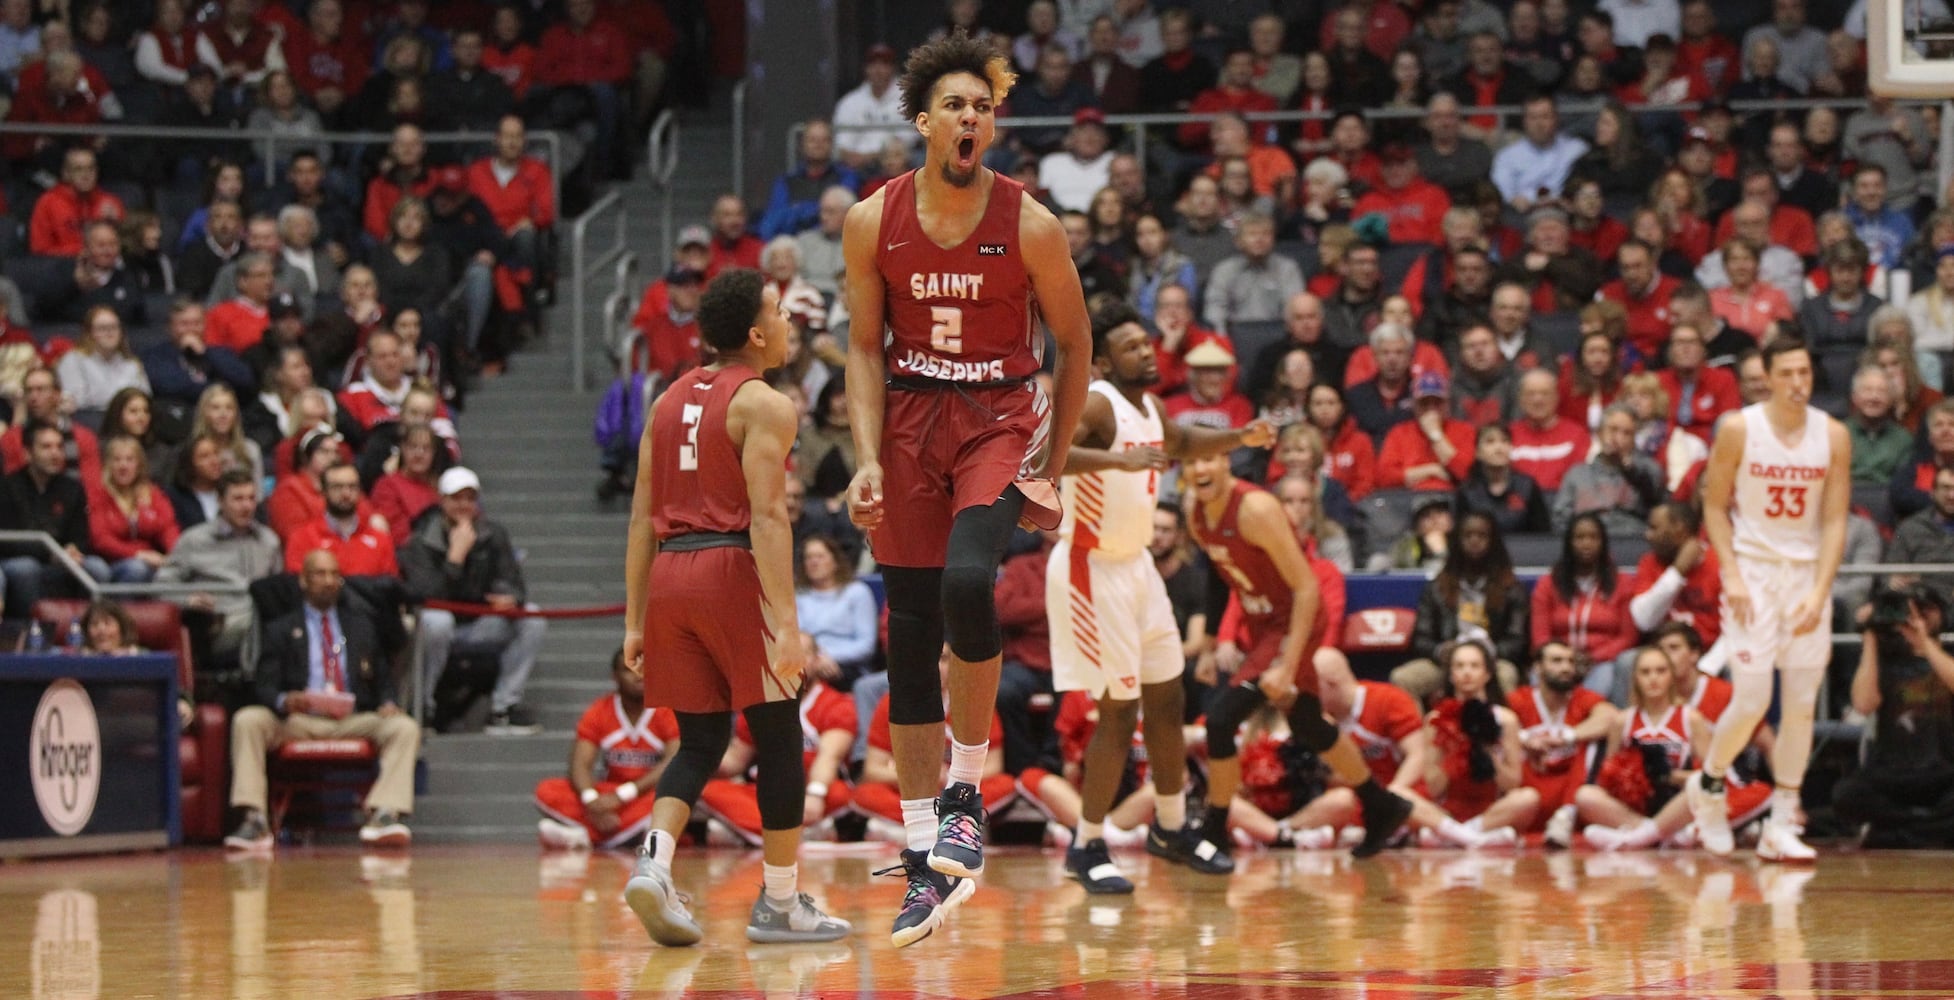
[(527, 434)]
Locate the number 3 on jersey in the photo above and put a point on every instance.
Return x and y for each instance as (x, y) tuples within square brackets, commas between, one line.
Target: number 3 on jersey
[(688, 453), (946, 329), (1786, 501)]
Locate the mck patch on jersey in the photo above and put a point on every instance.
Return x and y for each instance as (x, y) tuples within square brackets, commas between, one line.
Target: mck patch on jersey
[(990, 249)]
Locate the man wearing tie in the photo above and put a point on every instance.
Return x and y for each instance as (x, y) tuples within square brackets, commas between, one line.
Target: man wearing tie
[(326, 671)]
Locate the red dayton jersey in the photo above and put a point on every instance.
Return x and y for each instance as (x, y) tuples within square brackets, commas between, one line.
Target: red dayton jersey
[(1527, 703), (963, 314), (1711, 697), (1251, 573), (630, 748), (1382, 717), (823, 709), (698, 480)]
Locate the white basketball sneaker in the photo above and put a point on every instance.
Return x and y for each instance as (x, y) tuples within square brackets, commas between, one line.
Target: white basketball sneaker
[(1560, 828), (1779, 842), (1604, 838), (1314, 839), (1712, 815)]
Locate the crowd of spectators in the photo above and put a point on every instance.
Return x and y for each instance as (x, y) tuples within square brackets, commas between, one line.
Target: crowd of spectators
[(1498, 293)]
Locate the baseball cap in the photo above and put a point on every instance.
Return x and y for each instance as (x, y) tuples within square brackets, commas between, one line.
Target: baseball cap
[(1088, 116), (1396, 152), (1429, 385), (694, 236), (284, 304), (449, 178), (879, 53), (457, 479), (1696, 134), (682, 275), (1546, 213), (1210, 355)]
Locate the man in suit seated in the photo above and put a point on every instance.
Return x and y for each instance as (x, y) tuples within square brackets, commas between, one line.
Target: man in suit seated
[(326, 671)]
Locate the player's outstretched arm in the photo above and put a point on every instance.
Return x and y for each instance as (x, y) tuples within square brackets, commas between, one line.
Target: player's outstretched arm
[(1719, 486), (1184, 443), (639, 551), (1092, 444), (866, 368), (1055, 281), (1265, 526), (768, 421)]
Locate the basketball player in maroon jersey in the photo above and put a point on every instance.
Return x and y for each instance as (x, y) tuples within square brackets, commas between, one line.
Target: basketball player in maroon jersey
[(1255, 553), (709, 578), (954, 441)]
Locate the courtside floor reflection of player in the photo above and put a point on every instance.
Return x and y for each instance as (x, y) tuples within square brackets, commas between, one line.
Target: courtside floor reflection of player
[(709, 579), (1775, 496), (954, 441), (1113, 630)]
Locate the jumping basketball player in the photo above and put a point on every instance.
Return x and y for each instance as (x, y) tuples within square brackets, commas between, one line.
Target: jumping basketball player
[(1113, 630), (1774, 504), (1255, 553), (954, 442), (709, 578)]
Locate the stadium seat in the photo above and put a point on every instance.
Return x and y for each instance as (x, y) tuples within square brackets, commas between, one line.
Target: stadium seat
[(203, 750), (332, 776), (1377, 639)]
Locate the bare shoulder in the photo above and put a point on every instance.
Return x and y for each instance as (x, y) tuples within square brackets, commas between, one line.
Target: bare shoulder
[(1730, 432), (1038, 227), (864, 218), (1508, 719), (757, 404), (1836, 431)]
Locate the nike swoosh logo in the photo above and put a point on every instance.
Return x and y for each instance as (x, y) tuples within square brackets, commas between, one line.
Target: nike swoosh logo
[(893, 246)]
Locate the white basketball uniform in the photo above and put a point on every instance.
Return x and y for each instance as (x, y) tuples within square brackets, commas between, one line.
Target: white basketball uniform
[(1775, 535), (1112, 626)]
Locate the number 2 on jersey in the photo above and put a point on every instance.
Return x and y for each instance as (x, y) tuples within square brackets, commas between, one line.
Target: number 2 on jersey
[(688, 453), (1786, 501), (946, 329)]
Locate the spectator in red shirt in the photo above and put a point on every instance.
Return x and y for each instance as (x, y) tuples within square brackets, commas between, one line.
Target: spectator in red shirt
[(246, 50), (1234, 91), (239, 323), (1487, 81), (131, 524), (1698, 394), (1413, 206), (1350, 147), (1210, 399), (1382, 24), (60, 214), (376, 399), (325, 60), (653, 40), (404, 494), (1644, 293), (1791, 227), (585, 62), (694, 253), (1545, 445), (165, 52), (521, 196), (732, 244), (1583, 603), (361, 547), (1704, 51), (1677, 579), (1349, 456), (64, 99), (1173, 317), (1590, 227), (667, 341), (508, 54), (404, 171), (40, 400), (1431, 451)]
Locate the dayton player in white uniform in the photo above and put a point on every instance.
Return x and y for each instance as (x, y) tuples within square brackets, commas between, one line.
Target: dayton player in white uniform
[(1775, 497), (1113, 632)]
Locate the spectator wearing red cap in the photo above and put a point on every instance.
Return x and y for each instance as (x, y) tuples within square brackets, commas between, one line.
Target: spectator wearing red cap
[(362, 548), (1431, 451), (585, 62), (1234, 91), (876, 101), (1644, 293), (1413, 206), (1074, 174)]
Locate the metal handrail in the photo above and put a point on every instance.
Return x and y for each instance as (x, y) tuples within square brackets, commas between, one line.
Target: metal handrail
[(661, 162), (59, 556), (739, 138), (267, 140), (581, 267)]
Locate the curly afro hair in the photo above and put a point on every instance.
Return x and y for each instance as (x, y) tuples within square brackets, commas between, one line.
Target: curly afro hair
[(954, 53)]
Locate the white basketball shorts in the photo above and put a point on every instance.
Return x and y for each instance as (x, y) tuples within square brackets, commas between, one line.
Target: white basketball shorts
[(1112, 626), (1766, 642)]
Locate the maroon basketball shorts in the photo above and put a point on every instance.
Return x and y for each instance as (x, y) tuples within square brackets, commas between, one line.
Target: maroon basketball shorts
[(706, 634), (948, 449)]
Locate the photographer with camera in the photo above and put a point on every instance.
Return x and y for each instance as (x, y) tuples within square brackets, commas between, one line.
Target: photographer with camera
[(1904, 794)]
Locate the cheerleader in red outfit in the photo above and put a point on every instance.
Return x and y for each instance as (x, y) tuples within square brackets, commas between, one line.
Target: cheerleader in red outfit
[(1475, 791), (1635, 802), (633, 742), (827, 734)]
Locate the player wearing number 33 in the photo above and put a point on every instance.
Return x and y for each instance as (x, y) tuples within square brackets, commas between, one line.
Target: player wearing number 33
[(954, 441), (1775, 496)]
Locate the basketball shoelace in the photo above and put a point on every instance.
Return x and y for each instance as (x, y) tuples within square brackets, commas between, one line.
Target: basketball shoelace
[(920, 884), (961, 830)]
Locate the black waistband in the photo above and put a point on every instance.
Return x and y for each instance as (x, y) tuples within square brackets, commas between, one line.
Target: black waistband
[(694, 541), (919, 383)]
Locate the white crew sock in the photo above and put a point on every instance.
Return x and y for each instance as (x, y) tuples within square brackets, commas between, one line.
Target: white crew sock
[(1170, 811), (1458, 833), (1089, 831), (663, 846), (919, 823), (781, 882), (967, 761), (1784, 806), (1643, 834)]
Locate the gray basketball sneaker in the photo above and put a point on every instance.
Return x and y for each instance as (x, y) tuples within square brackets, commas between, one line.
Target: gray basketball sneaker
[(799, 922), (659, 906)]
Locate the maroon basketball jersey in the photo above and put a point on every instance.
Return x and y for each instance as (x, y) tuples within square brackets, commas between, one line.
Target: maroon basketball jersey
[(1265, 595), (962, 314), (698, 483)]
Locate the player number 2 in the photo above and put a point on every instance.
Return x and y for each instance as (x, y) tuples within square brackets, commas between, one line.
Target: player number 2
[(946, 329), (1786, 501), (688, 453)]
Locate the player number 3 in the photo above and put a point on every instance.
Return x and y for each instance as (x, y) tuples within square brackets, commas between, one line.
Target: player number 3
[(946, 329), (1786, 501), (688, 453)]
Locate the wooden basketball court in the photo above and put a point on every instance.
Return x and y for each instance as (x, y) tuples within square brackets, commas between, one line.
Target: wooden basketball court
[(507, 921)]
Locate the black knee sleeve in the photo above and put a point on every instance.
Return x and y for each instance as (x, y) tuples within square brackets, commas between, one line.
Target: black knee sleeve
[(915, 642), (978, 538), (1226, 714), (1311, 730), (702, 739), (776, 729)]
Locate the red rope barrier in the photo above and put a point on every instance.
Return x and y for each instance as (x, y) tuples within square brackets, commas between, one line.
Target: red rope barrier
[(487, 610)]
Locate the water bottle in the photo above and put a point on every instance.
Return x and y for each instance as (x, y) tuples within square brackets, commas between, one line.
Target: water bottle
[(36, 639), (74, 642)]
